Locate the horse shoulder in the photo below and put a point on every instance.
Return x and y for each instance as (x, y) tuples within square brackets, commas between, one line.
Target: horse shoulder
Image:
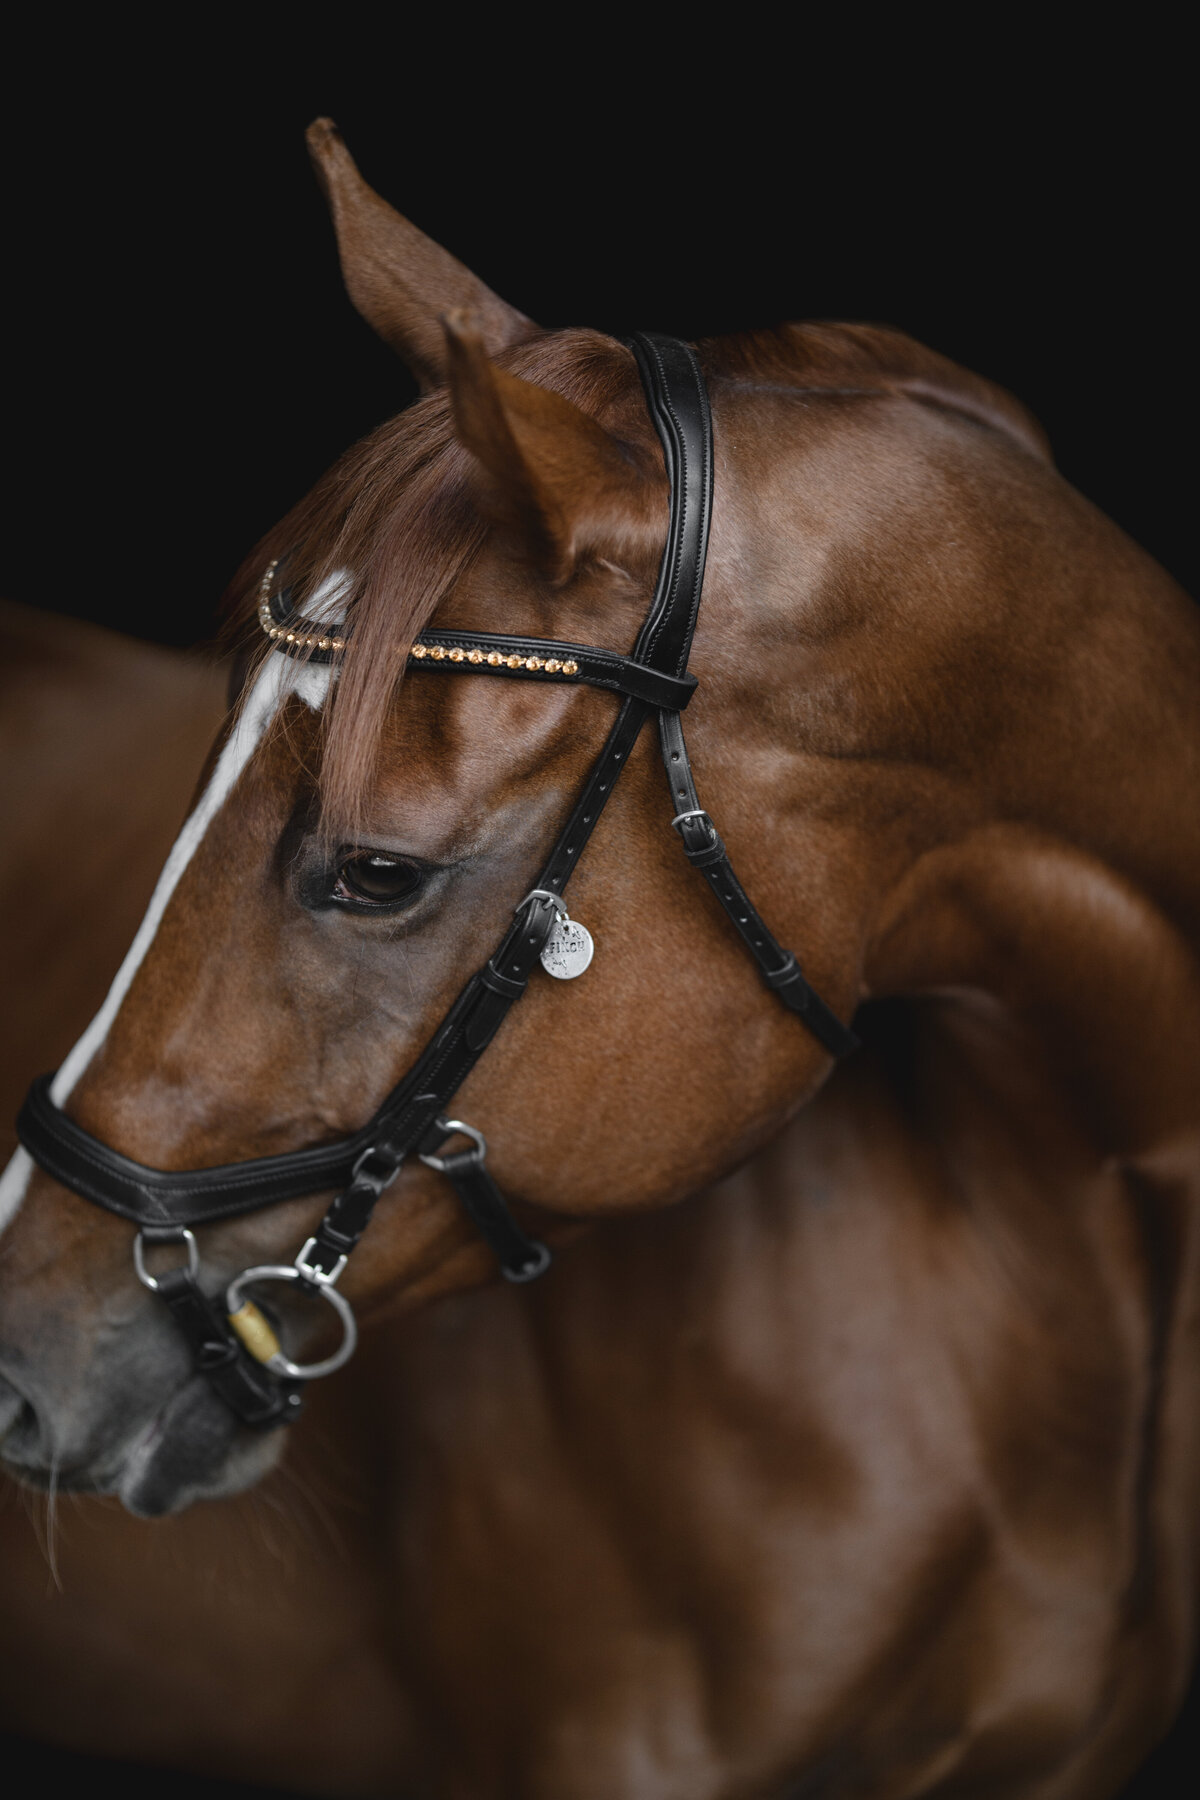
[(866, 1419)]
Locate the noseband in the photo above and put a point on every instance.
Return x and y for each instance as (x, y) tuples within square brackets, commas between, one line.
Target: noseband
[(236, 1346)]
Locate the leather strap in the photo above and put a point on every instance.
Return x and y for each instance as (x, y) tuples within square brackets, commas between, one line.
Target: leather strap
[(255, 1395), (168, 1196), (678, 403), (521, 1258), (679, 407), (705, 850)]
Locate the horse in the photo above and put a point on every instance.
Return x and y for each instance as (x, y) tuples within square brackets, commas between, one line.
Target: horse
[(850, 1447)]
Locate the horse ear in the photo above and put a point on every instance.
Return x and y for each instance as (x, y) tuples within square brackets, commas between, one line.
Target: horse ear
[(547, 469), (400, 280)]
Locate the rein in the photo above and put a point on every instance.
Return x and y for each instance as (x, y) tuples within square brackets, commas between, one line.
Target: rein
[(236, 1347)]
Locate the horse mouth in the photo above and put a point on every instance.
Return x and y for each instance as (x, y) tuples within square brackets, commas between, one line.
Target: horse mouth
[(192, 1448)]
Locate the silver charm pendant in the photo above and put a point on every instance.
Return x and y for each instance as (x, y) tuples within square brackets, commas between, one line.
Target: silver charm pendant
[(568, 950)]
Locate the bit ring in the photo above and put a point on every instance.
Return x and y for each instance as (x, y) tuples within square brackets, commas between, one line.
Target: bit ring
[(277, 1362)]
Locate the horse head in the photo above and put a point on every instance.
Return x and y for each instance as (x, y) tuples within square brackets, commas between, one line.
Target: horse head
[(907, 618)]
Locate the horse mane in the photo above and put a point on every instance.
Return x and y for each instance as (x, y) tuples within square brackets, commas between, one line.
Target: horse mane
[(397, 510)]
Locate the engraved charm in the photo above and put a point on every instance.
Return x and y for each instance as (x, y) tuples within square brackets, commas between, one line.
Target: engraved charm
[(568, 950)]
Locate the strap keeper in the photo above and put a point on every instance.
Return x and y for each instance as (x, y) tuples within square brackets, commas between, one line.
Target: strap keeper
[(702, 842), (328, 1237), (709, 854), (782, 977), (492, 979), (163, 1234)]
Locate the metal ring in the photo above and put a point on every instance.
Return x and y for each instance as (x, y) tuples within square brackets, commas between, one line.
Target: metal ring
[(451, 1128), (139, 1261), (555, 900), (279, 1363), (529, 1271), (377, 1181)]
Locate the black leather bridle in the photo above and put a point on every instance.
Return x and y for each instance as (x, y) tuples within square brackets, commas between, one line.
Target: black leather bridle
[(235, 1347)]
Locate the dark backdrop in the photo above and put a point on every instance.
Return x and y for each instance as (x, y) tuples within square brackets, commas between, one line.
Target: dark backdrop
[(183, 361), (186, 362)]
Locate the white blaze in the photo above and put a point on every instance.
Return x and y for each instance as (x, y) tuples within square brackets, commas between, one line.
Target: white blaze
[(279, 678)]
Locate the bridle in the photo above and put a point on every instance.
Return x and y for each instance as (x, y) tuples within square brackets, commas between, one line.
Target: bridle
[(236, 1347)]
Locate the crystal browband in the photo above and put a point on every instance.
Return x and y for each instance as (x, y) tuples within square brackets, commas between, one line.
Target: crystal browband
[(537, 659), (493, 658)]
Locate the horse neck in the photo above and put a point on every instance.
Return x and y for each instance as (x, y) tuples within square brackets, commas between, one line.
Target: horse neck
[(1113, 761), (995, 694), (956, 609), (1066, 890)]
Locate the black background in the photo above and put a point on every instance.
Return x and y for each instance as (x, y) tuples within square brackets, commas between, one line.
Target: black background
[(183, 361), (186, 363)]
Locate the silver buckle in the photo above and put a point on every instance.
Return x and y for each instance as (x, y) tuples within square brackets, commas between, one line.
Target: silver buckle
[(453, 1128), (139, 1259), (313, 1272), (379, 1183), (556, 901)]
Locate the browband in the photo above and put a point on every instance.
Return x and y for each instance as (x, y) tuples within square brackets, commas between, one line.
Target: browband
[(412, 1116)]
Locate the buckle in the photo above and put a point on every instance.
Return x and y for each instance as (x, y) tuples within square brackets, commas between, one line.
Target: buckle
[(697, 812), (183, 1236), (382, 1175), (456, 1128)]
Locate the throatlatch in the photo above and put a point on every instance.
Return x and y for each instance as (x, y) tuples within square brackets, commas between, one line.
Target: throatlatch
[(236, 1347)]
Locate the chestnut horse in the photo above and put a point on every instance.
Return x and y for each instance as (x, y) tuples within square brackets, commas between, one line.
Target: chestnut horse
[(873, 1468)]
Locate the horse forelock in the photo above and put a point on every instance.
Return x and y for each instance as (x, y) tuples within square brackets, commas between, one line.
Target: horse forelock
[(396, 520)]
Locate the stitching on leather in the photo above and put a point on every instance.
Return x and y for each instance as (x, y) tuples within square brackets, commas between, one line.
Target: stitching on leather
[(682, 490), (675, 546), (705, 458)]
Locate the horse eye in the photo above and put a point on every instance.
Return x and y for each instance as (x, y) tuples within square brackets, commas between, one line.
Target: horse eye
[(377, 879)]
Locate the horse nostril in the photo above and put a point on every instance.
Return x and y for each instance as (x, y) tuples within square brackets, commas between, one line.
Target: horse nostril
[(11, 1407), (20, 1431)]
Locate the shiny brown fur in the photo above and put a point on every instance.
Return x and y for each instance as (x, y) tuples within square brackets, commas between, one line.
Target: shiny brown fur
[(872, 1469)]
